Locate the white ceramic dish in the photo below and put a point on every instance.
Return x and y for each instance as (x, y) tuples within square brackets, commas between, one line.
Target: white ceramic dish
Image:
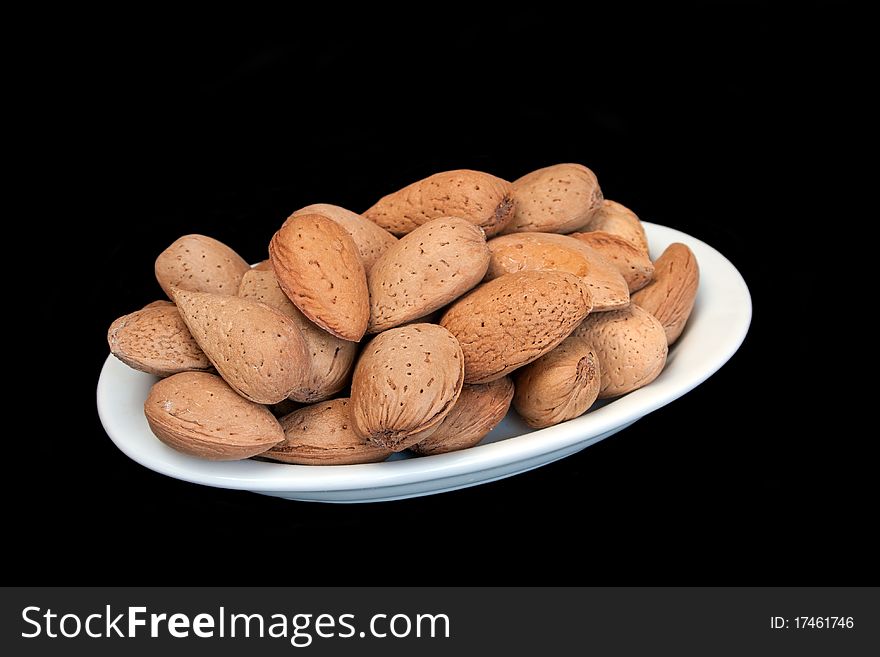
[(715, 331)]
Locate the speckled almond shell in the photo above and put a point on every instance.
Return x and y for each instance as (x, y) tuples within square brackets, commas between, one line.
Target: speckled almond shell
[(199, 414), (556, 199), (406, 381), (559, 386), (258, 351), (330, 358), (515, 319), (551, 252), (479, 409), (632, 262), (616, 219), (479, 197), (427, 269), (156, 340), (317, 265), (670, 297), (630, 345), (322, 434), (263, 265), (200, 264), (371, 240)]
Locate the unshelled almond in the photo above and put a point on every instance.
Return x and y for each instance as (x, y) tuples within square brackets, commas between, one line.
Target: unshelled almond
[(617, 219), (200, 264), (515, 319), (670, 296), (630, 345), (199, 414), (428, 268), (322, 434), (258, 351), (559, 386), (156, 340), (551, 252), (632, 262), (330, 359), (405, 382), (479, 409), (480, 198), (556, 199), (371, 240), (318, 266)]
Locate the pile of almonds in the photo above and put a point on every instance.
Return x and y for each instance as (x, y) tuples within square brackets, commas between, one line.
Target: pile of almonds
[(437, 308)]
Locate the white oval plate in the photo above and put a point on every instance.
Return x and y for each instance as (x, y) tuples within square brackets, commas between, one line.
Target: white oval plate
[(716, 329)]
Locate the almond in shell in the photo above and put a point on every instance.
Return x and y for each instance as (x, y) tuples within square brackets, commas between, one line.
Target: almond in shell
[(330, 358), (617, 219), (156, 340), (551, 252), (428, 268), (200, 264), (318, 266), (632, 262), (479, 409), (559, 386), (515, 319), (371, 240), (258, 351), (630, 345), (322, 434), (405, 382), (199, 414), (556, 199), (479, 197), (670, 296)]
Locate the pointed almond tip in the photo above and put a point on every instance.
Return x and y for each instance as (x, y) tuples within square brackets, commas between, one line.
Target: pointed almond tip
[(181, 295)]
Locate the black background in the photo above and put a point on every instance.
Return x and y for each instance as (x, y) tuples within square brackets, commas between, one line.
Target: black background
[(722, 120)]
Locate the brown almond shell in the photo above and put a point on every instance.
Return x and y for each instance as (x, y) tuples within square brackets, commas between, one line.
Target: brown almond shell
[(559, 386), (371, 240), (322, 434), (479, 409), (617, 219), (515, 319), (405, 382), (199, 414), (257, 350), (551, 252), (318, 266), (330, 359), (478, 197), (632, 262), (630, 345), (156, 340), (671, 295), (557, 199), (427, 269), (200, 264)]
